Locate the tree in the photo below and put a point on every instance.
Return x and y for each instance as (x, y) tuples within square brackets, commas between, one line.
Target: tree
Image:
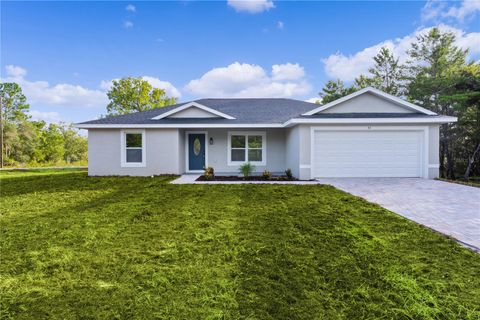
[(464, 97), (362, 82), (27, 142), (13, 108), (14, 103), (10, 139), (386, 74), (334, 90), (75, 146), (433, 60), (51, 145), (131, 94)]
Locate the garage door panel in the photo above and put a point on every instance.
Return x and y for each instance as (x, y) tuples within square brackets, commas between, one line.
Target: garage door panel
[(373, 164), (365, 172), (367, 153)]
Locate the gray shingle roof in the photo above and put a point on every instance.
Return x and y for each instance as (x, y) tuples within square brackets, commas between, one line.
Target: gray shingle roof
[(243, 110)]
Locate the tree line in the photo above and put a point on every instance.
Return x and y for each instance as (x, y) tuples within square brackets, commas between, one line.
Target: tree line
[(31, 143), (437, 77)]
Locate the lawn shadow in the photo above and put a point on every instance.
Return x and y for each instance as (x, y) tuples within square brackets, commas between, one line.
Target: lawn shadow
[(65, 181)]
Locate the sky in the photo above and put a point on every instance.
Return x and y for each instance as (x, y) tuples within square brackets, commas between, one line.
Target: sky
[(66, 54)]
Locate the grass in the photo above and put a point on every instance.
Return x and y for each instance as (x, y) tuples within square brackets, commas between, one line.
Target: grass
[(78, 247), (49, 164), (474, 182)]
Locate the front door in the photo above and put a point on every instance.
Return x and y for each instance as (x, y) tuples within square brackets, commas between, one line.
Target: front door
[(196, 151)]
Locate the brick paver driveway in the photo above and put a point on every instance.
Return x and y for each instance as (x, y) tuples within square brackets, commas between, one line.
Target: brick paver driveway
[(449, 208)]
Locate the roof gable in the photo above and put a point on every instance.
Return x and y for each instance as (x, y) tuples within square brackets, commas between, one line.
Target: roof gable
[(193, 110), (369, 100)]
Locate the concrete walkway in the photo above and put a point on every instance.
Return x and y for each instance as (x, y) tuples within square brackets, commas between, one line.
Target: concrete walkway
[(449, 208)]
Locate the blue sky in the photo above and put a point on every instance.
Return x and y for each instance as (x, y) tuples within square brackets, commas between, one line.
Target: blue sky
[(65, 54)]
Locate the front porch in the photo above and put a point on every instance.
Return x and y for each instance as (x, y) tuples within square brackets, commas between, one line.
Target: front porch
[(227, 149)]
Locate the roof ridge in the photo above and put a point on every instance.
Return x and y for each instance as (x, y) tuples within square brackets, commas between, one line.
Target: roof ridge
[(246, 99)]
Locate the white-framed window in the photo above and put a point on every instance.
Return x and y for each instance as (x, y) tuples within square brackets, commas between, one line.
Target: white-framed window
[(247, 146), (133, 148)]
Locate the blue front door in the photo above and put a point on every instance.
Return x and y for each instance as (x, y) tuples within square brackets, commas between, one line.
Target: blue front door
[(196, 151)]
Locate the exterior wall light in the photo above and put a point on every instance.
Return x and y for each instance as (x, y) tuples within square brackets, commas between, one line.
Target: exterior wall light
[(211, 141)]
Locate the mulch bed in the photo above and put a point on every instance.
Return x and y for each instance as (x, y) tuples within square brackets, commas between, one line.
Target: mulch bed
[(252, 178)]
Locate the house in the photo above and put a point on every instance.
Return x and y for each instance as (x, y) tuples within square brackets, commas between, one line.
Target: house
[(366, 134)]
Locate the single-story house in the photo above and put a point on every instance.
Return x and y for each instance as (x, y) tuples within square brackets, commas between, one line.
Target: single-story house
[(366, 134)]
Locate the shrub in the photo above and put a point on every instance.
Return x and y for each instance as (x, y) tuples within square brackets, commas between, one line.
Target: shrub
[(289, 174), (246, 169), (266, 175), (209, 173)]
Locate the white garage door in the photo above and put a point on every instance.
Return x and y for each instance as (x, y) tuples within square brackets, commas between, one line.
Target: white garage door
[(375, 153)]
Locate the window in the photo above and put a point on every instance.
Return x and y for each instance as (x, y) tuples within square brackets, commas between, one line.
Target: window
[(246, 147), (133, 148)]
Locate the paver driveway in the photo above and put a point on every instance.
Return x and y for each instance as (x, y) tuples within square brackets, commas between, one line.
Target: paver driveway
[(449, 208)]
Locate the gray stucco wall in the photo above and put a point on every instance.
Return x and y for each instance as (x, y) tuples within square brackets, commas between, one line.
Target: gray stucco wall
[(192, 113), (292, 150), (104, 153), (165, 151), (367, 103), (305, 161), (218, 152), (433, 151), (181, 151)]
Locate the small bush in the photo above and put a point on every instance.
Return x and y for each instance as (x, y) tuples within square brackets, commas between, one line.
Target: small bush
[(266, 175), (246, 169), (209, 173), (289, 174)]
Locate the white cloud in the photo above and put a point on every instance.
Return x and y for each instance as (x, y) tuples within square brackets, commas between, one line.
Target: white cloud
[(44, 96), (287, 71), (348, 67), (314, 100), (169, 88), (470, 41), (131, 8), (106, 84), (15, 71), (41, 92), (251, 6), (438, 10), (241, 80), (165, 85), (280, 24), (48, 117), (433, 10), (128, 24), (466, 9), (63, 94)]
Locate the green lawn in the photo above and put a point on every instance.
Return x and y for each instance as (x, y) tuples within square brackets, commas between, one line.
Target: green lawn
[(74, 247)]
